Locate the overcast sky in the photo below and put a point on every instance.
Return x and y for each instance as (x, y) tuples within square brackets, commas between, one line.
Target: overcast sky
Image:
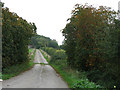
[(50, 15)]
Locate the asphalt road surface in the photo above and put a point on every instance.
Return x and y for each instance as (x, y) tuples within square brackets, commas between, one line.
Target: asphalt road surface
[(40, 76)]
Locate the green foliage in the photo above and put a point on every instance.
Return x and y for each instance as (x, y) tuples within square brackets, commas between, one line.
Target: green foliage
[(85, 83), (49, 50), (30, 50), (98, 77), (16, 34), (92, 41), (59, 55), (71, 76), (60, 64), (62, 46), (39, 41), (55, 54), (44, 56), (32, 57), (14, 70)]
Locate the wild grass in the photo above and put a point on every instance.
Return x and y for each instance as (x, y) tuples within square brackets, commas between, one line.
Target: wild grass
[(30, 50), (44, 56), (75, 79), (15, 70)]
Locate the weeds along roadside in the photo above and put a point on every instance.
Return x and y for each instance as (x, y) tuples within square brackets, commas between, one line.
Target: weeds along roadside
[(74, 78), (15, 70), (45, 56)]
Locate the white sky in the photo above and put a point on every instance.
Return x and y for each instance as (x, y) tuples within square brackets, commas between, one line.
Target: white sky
[(50, 15)]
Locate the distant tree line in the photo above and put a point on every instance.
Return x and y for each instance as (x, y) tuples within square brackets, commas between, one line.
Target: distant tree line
[(16, 35), (92, 43), (39, 41)]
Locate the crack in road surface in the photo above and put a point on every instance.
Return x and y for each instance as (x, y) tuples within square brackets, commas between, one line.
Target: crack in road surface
[(40, 76)]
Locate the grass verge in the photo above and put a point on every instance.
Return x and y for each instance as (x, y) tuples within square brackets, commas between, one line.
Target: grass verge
[(44, 56), (30, 50), (68, 74), (75, 79), (15, 70)]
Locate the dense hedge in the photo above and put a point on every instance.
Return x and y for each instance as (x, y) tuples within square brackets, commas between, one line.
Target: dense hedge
[(56, 54), (16, 34), (91, 43), (75, 79)]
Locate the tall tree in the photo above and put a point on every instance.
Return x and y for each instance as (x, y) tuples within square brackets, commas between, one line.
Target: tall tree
[(16, 34), (92, 40)]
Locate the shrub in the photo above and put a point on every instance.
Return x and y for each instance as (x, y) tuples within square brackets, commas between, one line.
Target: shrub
[(92, 43), (85, 83), (59, 55), (55, 53), (16, 34), (50, 50)]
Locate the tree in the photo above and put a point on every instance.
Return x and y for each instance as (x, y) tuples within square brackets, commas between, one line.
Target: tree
[(91, 41), (16, 35), (42, 41)]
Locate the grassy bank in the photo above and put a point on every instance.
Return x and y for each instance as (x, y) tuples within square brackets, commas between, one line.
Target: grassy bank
[(75, 79), (44, 56), (67, 74), (30, 50), (17, 69)]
